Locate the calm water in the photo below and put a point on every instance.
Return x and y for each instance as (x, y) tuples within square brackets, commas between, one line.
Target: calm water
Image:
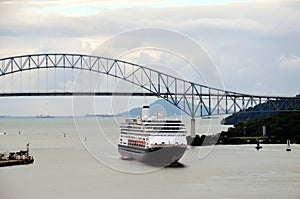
[(85, 164)]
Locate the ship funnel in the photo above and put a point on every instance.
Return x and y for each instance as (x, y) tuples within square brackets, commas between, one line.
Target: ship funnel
[(145, 112)]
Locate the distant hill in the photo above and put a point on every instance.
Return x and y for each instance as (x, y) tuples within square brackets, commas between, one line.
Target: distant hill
[(238, 117), (159, 106), (257, 112)]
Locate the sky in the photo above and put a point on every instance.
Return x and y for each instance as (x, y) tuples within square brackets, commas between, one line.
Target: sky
[(254, 45)]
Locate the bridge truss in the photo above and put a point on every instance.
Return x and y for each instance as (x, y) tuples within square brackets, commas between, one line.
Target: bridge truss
[(194, 99)]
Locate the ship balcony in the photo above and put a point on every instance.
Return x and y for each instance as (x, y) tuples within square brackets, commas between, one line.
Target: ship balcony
[(162, 144)]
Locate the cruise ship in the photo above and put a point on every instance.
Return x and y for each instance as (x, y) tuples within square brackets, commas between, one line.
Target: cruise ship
[(152, 140)]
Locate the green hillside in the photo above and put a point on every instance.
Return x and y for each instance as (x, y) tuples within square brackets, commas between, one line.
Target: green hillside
[(279, 128), (259, 111)]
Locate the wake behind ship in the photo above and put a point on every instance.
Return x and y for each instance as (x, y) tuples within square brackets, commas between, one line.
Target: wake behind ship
[(152, 140)]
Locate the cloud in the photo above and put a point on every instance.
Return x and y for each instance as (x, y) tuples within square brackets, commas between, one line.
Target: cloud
[(255, 18), (290, 63), (243, 39)]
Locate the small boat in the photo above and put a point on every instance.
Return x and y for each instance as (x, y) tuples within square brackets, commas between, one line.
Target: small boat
[(16, 158), (288, 146)]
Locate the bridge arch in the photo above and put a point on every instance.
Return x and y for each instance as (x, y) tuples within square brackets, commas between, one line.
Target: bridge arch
[(192, 98)]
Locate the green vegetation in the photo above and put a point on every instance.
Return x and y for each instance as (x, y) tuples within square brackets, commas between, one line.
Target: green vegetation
[(279, 128), (248, 126), (263, 110), (235, 118), (204, 140)]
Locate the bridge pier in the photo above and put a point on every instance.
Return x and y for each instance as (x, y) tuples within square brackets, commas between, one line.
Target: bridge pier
[(193, 128)]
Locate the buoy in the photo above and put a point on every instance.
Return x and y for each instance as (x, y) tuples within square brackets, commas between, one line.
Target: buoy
[(288, 146), (85, 139), (64, 135)]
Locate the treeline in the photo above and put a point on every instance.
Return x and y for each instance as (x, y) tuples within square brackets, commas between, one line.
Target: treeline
[(203, 140), (279, 128)]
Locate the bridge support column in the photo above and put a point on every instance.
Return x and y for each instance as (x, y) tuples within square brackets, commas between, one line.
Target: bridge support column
[(193, 128)]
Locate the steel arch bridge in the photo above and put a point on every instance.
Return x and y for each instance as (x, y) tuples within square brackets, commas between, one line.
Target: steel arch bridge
[(192, 98)]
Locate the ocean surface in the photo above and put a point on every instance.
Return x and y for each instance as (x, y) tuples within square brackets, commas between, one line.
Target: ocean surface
[(78, 158)]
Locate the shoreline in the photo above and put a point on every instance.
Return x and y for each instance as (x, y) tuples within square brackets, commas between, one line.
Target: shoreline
[(207, 140)]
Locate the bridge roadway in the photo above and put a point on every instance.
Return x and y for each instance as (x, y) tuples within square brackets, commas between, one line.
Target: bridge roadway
[(150, 94)]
